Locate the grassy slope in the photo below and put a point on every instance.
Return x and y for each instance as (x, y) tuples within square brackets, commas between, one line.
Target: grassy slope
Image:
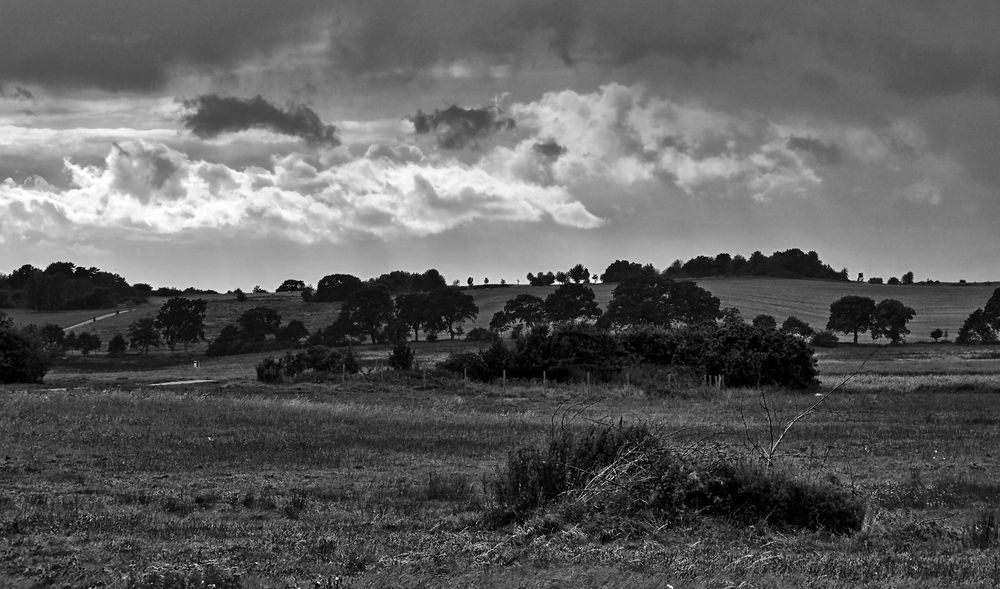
[(943, 306)]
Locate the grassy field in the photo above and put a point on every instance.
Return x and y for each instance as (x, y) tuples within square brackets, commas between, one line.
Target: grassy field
[(938, 306), (378, 482)]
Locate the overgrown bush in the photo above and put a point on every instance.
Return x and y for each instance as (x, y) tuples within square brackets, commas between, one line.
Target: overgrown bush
[(755, 356), (629, 471), (317, 359), (22, 357), (824, 339), (481, 334), (401, 357)]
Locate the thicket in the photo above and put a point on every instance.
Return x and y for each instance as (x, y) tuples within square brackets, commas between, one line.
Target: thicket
[(23, 357), (316, 362), (257, 330), (609, 471), (745, 355)]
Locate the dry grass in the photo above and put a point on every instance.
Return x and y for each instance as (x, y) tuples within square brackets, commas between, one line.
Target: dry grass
[(380, 484)]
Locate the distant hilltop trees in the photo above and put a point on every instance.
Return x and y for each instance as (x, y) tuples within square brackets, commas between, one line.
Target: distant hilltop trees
[(64, 285), (793, 263)]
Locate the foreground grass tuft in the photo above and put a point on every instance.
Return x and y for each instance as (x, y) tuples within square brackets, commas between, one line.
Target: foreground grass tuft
[(630, 472)]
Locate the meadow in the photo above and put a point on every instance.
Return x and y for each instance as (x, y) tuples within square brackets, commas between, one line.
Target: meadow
[(379, 481)]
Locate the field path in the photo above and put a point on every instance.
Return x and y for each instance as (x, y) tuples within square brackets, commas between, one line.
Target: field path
[(98, 318)]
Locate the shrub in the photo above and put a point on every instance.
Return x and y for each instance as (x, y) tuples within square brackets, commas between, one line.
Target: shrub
[(627, 471), (318, 359), (401, 357), (117, 346), (754, 356), (481, 334), (270, 370), (824, 339), (22, 358)]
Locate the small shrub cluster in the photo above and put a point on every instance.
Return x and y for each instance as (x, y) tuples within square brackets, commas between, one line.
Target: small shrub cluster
[(320, 361), (628, 471)]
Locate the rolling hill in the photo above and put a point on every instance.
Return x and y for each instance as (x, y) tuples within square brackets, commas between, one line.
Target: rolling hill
[(937, 306)]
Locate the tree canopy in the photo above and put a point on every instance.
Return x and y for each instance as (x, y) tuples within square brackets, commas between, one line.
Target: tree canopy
[(142, 334), (368, 310), (450, 307), (336, 287), (851, 314), (182, 320), (889, 320), (571, 302)]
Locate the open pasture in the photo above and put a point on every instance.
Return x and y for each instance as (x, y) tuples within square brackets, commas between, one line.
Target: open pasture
[(379, 481)]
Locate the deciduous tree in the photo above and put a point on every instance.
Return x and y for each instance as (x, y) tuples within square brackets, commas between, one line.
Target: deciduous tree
[(368, 310), (450, 307), (142, 334), (571, 302), (258, 323), (414, 311), (889, 320), (851, 314), (182, 320), (336, 287)]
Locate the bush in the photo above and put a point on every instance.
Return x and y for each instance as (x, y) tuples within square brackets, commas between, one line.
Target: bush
[(627, 471), (401, 357), (824, 339), (22, 358), (117, 346), (481, 334), (754, 356), (317, 359), (270, 370)]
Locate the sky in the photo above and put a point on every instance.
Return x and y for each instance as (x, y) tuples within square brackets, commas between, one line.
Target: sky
[(236, 143)]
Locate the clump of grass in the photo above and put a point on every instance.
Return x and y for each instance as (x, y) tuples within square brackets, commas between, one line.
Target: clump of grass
[(983, 532), (450, 487), (630, 472), (293, 506), (192, 576)]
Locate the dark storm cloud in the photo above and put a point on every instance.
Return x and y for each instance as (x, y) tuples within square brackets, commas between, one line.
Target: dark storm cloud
[(824, 153), (213, 115), (456, 127), (16, 93), (133, 44), (393, 40), (549, 148)]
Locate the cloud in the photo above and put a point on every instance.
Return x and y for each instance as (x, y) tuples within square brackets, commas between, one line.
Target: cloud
[(549, 148), (824, 153), (456, 127), (18, 93), (215, 115), (923, 192), (137, 45), (621, 135), (147, 191)]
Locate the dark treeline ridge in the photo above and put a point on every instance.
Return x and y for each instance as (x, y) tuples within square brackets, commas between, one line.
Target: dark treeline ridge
[(64, 286), (792, 263)]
